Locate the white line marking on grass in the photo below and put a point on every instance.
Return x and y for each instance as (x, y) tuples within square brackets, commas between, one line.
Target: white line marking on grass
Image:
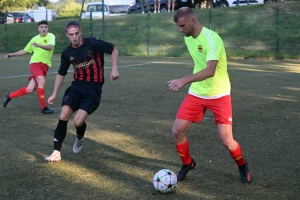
[(121, 66), (55, 108)]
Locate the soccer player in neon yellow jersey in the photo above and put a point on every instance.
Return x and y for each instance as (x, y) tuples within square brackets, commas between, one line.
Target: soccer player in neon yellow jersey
[(42, 48), (210, 89)]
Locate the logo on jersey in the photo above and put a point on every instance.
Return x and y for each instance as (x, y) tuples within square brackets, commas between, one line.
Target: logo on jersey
[(89, 53), (45, 41), (83, 64), (200, 49)]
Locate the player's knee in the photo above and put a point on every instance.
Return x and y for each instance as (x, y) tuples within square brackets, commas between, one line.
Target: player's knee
[(228, 142), (78, 123), (30, 89), (41, 81), (63, 116), (177, 133)]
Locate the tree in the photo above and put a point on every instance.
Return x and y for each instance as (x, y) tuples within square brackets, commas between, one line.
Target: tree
[(17, 4), (69, 9), (43, 3)]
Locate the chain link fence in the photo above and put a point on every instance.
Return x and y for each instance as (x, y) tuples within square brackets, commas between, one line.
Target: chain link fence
[(246, 34)]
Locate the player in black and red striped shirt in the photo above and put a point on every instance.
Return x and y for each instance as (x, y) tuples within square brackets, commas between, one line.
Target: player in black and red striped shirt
[(84, 95)]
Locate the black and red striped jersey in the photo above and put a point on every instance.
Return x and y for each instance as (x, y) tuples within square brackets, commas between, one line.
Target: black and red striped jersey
[(87, 60)]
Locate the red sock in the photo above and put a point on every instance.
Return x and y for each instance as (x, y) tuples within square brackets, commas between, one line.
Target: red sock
[(20, 92), (237, 156), (41, 96), (184, 152)]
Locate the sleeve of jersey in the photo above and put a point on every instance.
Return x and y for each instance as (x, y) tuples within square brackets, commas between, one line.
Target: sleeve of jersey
[(64, 65), (102, 46), (52, 40), (215, 46), (28, 48)]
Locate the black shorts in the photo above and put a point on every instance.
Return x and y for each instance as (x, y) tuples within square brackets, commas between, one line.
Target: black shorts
[(83, 95)]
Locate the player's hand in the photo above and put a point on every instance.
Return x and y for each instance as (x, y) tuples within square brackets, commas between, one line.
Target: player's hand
[(35, 44), (51, 99), (175, 85), (7, 56), (114, 74)]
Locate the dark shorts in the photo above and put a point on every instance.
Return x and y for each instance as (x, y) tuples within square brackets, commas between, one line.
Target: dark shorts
[(83, 95)]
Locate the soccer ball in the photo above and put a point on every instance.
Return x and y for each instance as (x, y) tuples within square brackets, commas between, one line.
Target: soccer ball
[(165, 181)]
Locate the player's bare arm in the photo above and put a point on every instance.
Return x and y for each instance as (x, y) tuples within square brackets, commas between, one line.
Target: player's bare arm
[(48, 47), (58, 83), (176, 84), (18, 53), (114, 69)]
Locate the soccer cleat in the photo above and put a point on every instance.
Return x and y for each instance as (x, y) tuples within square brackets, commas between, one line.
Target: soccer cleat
[(245, 174), (6, 100), (54, 157), (46, 110), (143, 12), (78, 144), (154, 11), (185, 169)]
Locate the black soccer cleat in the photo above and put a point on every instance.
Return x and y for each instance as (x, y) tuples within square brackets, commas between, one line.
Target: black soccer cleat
[(6, 100), (185, 169), (245, 174), (46, 110)]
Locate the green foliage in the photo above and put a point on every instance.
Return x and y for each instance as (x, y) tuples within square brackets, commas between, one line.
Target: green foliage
[(247, 32), (18, 5), (44, 3), (69, 8)]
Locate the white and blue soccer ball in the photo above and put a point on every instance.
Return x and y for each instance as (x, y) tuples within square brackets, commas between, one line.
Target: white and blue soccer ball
[(165, 181)]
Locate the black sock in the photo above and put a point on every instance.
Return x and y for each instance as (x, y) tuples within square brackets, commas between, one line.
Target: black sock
[(80, 130), (60, 134)]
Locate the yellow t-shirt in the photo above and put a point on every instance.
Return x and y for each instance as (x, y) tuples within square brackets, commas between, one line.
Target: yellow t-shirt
[(209, 46), (39, 54)]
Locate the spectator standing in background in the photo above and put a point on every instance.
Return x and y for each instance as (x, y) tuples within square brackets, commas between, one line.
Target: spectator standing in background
[(156, 6), (143, 2)]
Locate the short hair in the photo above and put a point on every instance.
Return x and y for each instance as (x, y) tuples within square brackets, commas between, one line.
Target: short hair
[(183, 12), (43, 22), (71, 24)]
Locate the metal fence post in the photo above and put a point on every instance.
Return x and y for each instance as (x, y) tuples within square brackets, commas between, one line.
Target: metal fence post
[(210, 18), (277, 33), (81, 11), (91, 24), (103, 25), (148, 34), (5, 32), (46, 15)]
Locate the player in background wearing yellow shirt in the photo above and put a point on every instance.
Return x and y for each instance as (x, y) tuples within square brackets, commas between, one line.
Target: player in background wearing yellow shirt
[(210, 89), (42, 48)]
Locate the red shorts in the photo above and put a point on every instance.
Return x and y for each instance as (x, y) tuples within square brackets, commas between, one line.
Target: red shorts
[(38, 69), (193, 109)]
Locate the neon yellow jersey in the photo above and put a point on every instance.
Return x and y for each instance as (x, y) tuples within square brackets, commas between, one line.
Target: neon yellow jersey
[(209, 46), (39, 54)]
